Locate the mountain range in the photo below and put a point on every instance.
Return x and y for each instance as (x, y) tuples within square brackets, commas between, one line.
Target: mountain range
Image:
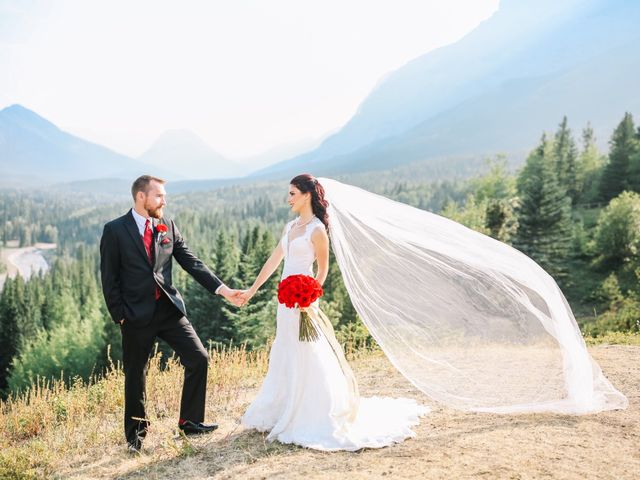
[(34, 151), (493, 91)]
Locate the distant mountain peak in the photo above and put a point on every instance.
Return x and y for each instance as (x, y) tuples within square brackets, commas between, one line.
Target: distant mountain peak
[(184, 140), (13, 108), (17, 113), (181, 137), (17, 109), (187, 153)]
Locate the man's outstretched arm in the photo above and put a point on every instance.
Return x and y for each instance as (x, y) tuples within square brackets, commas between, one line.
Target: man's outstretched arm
[(199, 271)]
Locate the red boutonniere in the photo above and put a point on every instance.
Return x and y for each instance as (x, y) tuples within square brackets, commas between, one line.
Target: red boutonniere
[(161, 229)]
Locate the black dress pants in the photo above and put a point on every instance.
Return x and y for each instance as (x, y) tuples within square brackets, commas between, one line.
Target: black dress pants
[(137, 343)]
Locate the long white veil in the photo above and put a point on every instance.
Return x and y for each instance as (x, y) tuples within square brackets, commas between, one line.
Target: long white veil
[(470, 321)]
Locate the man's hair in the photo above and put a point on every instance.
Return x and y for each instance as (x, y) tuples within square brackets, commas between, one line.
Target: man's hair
[(142, 184)]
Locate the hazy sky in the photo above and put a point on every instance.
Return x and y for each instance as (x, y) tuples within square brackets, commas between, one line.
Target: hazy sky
[(244, 75)]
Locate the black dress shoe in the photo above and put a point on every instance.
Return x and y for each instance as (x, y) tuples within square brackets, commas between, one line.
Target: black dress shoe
[(192, 428)]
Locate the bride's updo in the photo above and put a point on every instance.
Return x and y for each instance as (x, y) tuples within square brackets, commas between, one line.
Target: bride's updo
[(308, 183)]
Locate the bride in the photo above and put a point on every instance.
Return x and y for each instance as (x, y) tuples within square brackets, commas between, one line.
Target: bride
[(309, 396), (472, 322)]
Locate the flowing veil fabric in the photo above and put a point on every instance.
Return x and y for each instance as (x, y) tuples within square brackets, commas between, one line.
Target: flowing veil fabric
[(470, 321)]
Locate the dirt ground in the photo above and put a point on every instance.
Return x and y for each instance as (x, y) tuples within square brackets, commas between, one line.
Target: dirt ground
[(449, 443)]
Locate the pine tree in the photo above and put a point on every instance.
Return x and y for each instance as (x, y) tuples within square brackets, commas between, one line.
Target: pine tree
[(255, 323), (496, 192), (30, 319), (206, 311), (9, 334), (60, 305), (616, 175), (544, 225), (48, 305), (566, 156), (634, 162), (591, 162)]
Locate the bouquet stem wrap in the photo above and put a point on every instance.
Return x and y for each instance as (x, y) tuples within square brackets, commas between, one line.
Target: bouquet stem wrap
[(308, 332)]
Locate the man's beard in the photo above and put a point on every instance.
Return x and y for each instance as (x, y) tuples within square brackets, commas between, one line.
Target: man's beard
[(154, 212)]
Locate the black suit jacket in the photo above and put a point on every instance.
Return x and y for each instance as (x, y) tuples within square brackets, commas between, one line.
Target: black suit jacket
[(129, 279)]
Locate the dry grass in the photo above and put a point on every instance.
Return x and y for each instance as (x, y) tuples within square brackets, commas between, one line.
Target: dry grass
[(76, 433), (53, 429)]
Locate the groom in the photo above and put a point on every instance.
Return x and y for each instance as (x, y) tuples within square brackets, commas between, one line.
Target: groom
[(136, 252)]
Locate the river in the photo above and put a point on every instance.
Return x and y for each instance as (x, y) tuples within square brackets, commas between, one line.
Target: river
[(26, 261)]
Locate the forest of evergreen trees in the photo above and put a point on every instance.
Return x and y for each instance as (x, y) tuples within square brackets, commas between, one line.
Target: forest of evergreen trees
[(573, 209)]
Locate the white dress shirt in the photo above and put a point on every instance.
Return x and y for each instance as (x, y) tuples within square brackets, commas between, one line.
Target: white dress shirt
[(141, 221)]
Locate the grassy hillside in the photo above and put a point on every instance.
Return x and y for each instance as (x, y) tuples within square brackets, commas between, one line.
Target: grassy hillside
[(58, 432)]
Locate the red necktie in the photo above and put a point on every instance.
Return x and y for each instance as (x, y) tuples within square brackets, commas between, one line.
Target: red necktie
[(147, 238)]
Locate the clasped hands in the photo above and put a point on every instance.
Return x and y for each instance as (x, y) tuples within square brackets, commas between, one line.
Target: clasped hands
[(237, 297)]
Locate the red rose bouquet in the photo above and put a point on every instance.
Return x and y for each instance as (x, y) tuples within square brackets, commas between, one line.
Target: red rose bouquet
[(301, 291)]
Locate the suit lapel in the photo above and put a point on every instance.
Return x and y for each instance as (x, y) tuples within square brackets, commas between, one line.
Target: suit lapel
[(132, 228)]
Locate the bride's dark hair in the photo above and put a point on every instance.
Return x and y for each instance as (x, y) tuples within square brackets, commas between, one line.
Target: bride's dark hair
[(308, 183)]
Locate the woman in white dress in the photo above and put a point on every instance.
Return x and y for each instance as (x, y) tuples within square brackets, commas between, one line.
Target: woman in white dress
[(470, 321), (309, 396)]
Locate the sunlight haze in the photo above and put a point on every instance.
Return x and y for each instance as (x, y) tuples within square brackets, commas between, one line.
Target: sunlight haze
[(246, 76)]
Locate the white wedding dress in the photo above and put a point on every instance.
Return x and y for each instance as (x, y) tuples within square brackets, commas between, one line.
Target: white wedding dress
[(309, 396)]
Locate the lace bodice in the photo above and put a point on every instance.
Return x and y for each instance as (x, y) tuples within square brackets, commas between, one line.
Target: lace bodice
[(299, 253)]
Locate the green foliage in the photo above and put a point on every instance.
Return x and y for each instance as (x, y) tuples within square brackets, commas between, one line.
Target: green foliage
[(616, 176), (613, 338), (473, 214), (496, 184), (566, 158), (580, 242), (544, 222), (255, 323), (52, 322), (490, 209), (206, 311), (67, 350), (74, 340), (9, 333), (591, 163), (623, 313), (617, 234)]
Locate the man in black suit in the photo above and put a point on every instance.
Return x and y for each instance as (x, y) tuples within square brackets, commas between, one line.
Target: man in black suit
[(136, 252)]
